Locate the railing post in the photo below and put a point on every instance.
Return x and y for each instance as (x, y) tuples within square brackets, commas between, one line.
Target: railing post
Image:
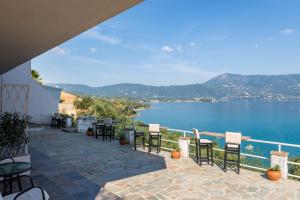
[(184, 144), (280, 159), (279, 147), (183, 133)]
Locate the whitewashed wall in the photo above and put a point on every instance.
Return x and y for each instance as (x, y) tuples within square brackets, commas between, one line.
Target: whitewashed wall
[(41, 103)]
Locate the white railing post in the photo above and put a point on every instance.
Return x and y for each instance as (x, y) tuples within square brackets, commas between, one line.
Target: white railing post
[(280, 159), (279, 147), (184, 144), (183, 133)]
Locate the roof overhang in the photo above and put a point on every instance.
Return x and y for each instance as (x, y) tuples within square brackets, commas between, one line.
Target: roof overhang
[(31, 27)]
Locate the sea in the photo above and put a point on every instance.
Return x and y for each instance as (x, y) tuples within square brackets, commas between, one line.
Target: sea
[(277, 121)]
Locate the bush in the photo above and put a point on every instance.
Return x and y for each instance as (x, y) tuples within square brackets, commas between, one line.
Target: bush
[(13, 133)]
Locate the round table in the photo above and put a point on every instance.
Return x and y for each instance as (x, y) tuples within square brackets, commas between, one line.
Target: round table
[(9, 170)]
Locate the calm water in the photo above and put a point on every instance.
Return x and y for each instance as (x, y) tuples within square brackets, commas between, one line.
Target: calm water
[(262, 120)]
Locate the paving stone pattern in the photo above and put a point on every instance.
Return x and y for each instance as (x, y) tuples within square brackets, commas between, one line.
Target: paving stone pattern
[(74, 166)]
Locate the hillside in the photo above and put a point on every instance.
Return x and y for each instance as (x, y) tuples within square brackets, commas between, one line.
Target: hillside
[(228, 86)]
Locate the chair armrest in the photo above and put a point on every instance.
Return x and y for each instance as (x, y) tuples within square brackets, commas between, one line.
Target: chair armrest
[(44, 196), (9, 158)]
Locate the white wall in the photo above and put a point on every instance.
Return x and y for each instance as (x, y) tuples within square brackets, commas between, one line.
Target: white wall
[(41, 102)]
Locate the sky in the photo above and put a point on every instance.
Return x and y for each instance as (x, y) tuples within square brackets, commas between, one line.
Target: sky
[(176, 42)]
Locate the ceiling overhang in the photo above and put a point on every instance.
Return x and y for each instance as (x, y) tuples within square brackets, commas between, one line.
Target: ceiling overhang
[(31, 27)]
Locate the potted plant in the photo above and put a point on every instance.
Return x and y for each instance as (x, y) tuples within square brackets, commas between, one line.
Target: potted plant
[(90, 132), (122, 138), (274, 173), (13, 134), (175, 154)]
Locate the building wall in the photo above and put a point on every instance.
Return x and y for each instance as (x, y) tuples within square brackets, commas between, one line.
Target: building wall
[(41, 104), (67, 104)]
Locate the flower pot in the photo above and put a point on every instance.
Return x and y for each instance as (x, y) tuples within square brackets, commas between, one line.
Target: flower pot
[(273, 175), (90, 133), (175, 154), (123, 142)]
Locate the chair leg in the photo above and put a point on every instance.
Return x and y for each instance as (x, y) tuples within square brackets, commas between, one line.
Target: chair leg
[(211, 155), (157, 146), (134, 143), (238, 163), (197, 153), (149, 147), (19, 183), (225, 160), (207, 154), (110, 135), (159, 143), (103, 134), (144, 142), (200, 157)]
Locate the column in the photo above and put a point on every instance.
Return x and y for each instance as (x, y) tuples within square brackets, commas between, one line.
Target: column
[(280, 158), (184, 144)]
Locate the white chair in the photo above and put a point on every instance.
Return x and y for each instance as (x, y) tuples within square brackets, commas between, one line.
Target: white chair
[(203, 144), (32, 193), (232, 146), (154, 134)]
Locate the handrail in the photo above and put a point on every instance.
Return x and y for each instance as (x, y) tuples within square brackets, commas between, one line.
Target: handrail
[(280, 144), (248, 139)]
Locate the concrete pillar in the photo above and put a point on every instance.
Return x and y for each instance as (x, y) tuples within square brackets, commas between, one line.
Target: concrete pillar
[(184, 144), (281, 159), (27, 137), (129, 134), (131, 137), (94, 127)]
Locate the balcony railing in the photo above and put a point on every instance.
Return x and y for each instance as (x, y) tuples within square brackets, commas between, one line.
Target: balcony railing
[(278, 144)]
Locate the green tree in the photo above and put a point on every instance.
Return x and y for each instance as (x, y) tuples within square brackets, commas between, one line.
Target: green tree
[(36, 76)]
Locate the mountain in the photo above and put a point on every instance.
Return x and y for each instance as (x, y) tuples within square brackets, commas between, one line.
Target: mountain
[(228, 86)]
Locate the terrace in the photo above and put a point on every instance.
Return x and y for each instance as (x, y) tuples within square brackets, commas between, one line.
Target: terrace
[(74, 166)]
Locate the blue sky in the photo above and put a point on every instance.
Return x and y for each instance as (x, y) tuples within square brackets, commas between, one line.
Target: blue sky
[(180, 42)]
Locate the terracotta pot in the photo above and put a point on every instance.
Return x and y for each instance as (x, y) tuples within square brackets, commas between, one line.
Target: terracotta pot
[(175, 154), (90, 133), (273, 175), (123, 142)]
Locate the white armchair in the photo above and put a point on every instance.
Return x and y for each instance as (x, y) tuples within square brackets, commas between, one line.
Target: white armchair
[(32, 193)]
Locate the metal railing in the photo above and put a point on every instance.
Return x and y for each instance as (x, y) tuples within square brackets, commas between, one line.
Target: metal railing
[(279, 146)]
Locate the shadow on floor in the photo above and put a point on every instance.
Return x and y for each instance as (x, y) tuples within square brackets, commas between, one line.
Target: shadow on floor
[(72, 174)]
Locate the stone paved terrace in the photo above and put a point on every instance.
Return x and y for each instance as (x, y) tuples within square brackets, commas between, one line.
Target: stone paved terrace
[(74, 166)]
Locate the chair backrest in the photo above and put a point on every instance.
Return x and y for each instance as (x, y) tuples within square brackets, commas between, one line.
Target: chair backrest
[(6, 160), (196, 133), (107, 121), (232, 137), (153, 128)]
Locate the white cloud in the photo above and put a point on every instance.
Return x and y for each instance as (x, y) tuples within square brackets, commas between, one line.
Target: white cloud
[(110, 39), (268, 39), (179, 47), (287, 31), (93, 50), (256, 46), (60, 51), (192, 43), (167, 49)]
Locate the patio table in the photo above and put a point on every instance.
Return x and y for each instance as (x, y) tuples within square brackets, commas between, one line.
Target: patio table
[(9, 170)]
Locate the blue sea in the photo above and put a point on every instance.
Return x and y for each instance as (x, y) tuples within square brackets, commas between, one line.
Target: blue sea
[(261, 120)]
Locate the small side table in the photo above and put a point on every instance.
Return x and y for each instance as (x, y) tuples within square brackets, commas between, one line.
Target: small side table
[(9, 170)]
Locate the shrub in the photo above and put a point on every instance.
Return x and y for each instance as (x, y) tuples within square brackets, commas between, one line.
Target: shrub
[(13, 133)]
